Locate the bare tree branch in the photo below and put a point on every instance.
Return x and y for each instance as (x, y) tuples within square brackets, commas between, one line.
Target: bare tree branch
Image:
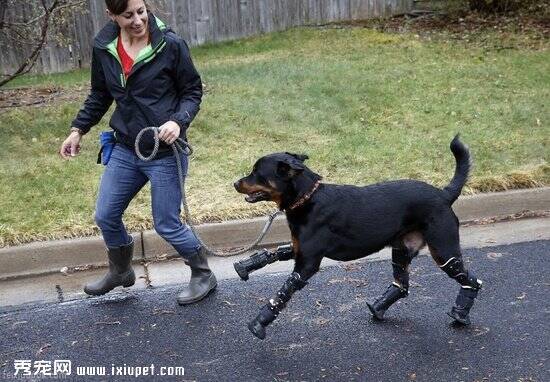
[(23, 29), (27, 65), (37, 18)]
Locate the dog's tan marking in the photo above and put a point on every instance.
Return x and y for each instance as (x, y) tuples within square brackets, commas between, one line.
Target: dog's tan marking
[(276, 196), (247, 188), (295, 245), (414, 241)]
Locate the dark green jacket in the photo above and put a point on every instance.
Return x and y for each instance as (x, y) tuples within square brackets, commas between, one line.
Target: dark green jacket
[(163, 85)]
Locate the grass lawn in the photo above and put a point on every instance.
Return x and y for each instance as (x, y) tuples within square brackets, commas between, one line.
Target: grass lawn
[(365, 106)]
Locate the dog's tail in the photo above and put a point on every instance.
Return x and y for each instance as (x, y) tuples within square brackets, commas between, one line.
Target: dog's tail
[(463, 165)]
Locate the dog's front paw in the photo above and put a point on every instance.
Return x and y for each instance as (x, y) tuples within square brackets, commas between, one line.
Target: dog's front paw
[(257, 329)]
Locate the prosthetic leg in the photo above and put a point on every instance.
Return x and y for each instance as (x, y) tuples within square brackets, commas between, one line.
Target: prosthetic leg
[(401, 258), (470, 287), (260, 259), (271, 310)]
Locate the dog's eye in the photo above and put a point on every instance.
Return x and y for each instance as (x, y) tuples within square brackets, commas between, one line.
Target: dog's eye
[(261, 179)]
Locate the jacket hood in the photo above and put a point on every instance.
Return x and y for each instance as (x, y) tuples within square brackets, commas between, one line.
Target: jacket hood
[(111, 31)]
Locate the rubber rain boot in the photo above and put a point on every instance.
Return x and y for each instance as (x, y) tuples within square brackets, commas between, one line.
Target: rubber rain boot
[(202, 280), (120, 271)]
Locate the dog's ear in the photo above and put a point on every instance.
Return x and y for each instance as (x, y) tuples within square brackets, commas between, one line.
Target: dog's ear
[(289, 169), (300, 157)]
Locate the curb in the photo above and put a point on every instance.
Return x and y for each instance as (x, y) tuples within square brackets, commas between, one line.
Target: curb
[(49, 257)]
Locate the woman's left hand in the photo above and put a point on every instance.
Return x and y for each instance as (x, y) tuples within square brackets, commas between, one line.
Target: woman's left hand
[(169, 132)]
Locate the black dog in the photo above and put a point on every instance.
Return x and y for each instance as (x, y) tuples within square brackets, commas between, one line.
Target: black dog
[(344, 222)]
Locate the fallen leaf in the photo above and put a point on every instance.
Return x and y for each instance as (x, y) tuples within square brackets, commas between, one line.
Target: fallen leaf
[(322, 321), (108, 323), (42, 349), (494, 255), (482, 331), (162, 311)]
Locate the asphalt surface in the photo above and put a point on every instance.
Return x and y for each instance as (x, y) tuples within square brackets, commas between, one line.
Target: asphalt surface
[(326, 332)]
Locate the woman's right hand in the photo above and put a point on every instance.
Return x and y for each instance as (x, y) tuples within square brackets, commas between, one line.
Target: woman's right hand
[(71, 146)]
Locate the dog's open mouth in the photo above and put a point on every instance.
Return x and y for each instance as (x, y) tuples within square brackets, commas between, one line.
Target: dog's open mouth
[(257, 196)]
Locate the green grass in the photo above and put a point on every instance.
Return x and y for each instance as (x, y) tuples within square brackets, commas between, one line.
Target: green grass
[(365, 106), (67, 79)]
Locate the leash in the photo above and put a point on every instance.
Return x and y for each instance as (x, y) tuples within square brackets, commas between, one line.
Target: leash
[(180, 146)]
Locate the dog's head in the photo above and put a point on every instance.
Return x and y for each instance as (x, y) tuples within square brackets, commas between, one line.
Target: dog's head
[(276, 177)]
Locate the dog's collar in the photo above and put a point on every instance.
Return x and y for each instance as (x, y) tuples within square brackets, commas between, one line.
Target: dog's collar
[(305, 197)]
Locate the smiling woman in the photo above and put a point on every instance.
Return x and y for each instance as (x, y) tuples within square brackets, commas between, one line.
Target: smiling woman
[(133, 54), (130, 15)]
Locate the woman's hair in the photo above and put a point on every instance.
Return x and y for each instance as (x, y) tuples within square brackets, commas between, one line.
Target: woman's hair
[(116, 7)]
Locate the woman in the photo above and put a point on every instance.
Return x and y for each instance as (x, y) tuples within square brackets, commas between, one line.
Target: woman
[(147, 70)]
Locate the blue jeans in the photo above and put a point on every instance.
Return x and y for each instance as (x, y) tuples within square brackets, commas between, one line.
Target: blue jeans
[(124, 176)]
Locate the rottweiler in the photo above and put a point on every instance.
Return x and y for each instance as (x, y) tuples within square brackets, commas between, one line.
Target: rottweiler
[(346, 222)]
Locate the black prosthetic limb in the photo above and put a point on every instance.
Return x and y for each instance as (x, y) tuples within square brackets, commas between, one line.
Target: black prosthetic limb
[(261, 259), (380, 305), (469, 289), (270, 311), (399, 288)]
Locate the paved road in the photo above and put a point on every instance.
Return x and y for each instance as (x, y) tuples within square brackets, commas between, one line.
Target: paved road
[(325, 333)]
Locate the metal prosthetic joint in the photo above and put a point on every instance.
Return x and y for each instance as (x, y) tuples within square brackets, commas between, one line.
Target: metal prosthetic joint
[(262, 258)]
